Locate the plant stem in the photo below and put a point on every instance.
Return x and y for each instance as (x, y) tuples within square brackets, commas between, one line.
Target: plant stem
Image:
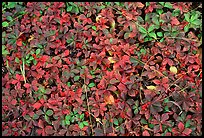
[(88, 106), (23, 70), (176, 105)]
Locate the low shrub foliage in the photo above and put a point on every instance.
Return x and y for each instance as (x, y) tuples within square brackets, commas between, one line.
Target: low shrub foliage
[(101, 68)]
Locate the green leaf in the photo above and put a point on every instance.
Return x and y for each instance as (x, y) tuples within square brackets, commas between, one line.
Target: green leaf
[(39, 46), (146, 39), (197, 22), (142, 29), (94, 28), (37, 51), (126, 35), (176, 12), (153, 35), (187, 17), (31, 58), (151, 28), (75, 112), (161, 40), (143, 51), (5, 24), (111, 40), (76, 78), (11, 4), (162, 3), (81, 125), (134, 61), (34, 62), (169, 129), (120, 120), (67, 117), (194, 17), (159, 11), (69, 8), (69, 84), (17, 60), (91, 85), (75, 10), (143, 121), (35, 116), (9, 18), (115, 121), (186, 28), (147, 4), (151, 125), (147, 17), (136, 111), (63, 123), (155, 20), (194, 52), (166, 100), (67, 122), (49, 112), (168, 5), (159, 34), (85, 123), (166, 109), (81, 116), (188, 124), (4, 51), (47, 118)]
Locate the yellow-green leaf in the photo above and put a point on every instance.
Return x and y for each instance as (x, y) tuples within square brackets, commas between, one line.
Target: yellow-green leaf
[(173, 69), (151, 87), (111, 59)]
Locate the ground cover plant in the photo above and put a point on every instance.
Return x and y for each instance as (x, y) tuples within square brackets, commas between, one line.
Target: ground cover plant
[(101, 68)]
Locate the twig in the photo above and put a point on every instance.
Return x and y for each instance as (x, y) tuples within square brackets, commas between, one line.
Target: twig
[(88, 106), (176, 105), (23, 70), (97, 120), (141, 76), (186, 39)]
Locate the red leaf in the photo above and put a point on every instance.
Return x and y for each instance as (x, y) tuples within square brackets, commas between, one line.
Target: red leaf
[(122, 87), (19, 42), (112, 88), (165, 80), (132, 93), (18, 77), (187, 131), (156, 81), (14, 81), (40, 124), (56, 124), (114, 81), (164, 117), (132, 34), (66, 53), (13, 102), (145, 133), (181, 126), (37, 105), (49, 130), (27, 85), (174, 21)]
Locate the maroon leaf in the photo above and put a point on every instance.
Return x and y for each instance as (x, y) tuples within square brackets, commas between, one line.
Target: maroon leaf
[(181, 126), (145, 133), (122, 87), (40, 124), (187, 131), (37, 105), (49, 130)]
